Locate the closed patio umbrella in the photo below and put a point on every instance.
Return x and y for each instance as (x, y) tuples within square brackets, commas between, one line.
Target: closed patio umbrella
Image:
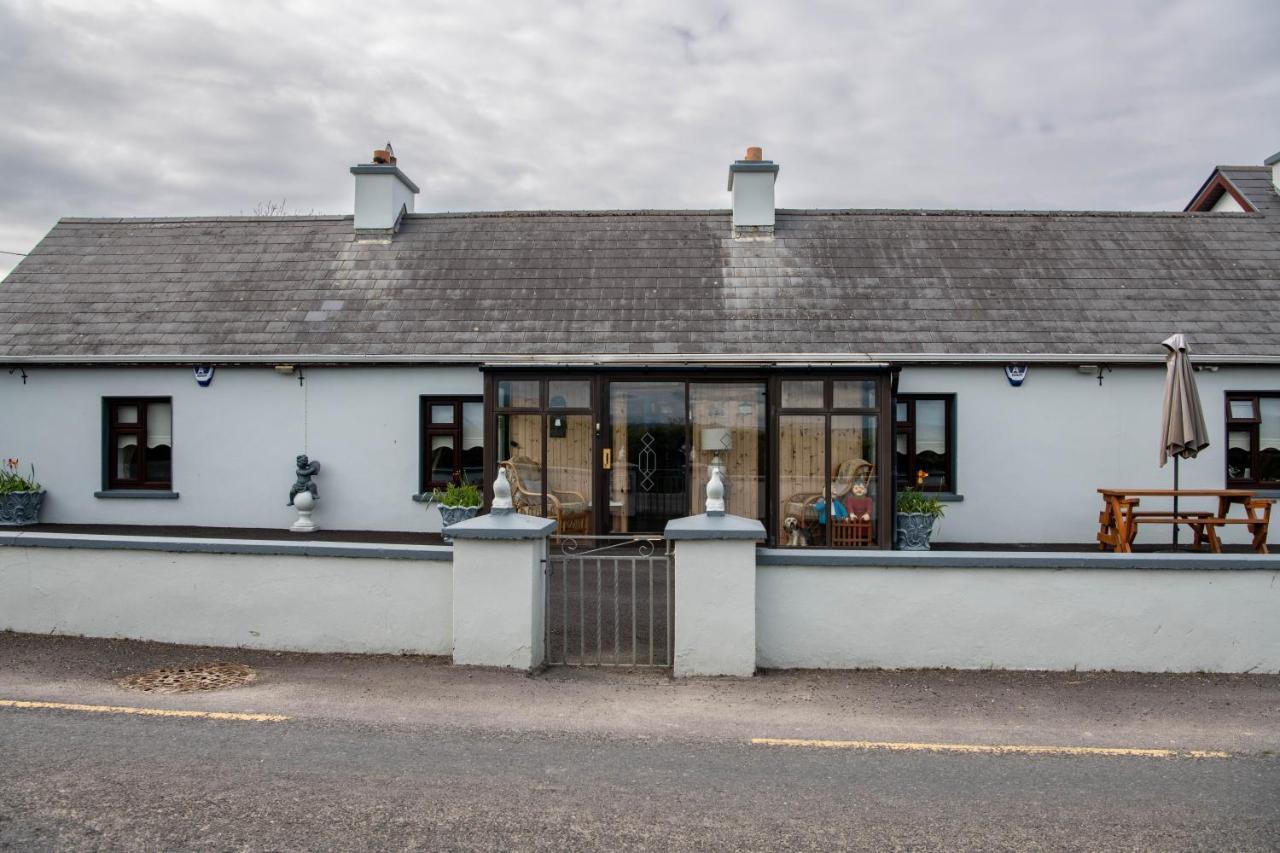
[(1183, 433)]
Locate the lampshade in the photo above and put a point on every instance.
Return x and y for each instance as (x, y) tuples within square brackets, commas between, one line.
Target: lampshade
[(716, 438)]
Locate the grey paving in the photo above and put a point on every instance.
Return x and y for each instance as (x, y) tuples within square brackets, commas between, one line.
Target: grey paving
[(839, 283)]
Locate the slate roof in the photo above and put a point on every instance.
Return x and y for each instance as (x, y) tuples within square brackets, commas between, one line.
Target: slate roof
[(833, 283), (1254, 183)]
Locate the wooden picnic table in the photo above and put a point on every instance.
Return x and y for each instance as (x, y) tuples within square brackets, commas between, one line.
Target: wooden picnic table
[(1120, 516)]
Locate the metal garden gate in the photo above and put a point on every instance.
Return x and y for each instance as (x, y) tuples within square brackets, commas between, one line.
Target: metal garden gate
[(609, 601)]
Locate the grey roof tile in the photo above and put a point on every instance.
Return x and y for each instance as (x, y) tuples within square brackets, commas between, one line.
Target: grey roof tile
[(832, 282)]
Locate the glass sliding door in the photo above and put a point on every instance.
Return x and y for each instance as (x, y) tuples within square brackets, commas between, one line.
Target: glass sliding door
[(648, 476), (727, 424)]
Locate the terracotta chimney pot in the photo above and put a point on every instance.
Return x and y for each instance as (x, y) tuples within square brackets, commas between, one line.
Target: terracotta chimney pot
[(755, 153)]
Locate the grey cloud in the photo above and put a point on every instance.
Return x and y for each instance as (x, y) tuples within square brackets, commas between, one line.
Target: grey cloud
[(185, 107)]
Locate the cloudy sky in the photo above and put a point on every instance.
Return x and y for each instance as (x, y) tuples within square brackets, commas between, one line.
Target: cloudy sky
[(130, 107)]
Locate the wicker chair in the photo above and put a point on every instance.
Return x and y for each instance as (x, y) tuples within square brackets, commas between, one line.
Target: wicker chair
[(804, 505), (571, 510)]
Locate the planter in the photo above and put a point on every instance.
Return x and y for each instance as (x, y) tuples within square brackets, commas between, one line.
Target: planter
[(454, 514), (914, 530), (20, 508)]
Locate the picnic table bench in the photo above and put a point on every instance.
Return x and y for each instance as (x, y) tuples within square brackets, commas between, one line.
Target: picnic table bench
[(1120, 517)]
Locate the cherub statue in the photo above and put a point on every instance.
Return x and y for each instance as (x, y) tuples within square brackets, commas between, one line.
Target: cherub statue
[(306, 470)]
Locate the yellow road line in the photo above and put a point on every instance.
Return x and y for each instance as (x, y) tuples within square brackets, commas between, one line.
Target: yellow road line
[(146, 712), (991, 749)]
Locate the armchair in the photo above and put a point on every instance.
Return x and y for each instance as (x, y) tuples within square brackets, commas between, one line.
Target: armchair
[(571, 510)]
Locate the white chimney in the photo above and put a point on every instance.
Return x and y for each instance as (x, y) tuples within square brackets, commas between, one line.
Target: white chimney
[(751, 181), (1274, 162), (383, 195)]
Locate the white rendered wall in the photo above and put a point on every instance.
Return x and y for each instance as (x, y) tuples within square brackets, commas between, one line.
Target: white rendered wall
[(1129, 620), (499, 599), (1226, 204), (234, 442), (1029, 460), (291, 603), (715, 592), (380, 199), (753, 201)]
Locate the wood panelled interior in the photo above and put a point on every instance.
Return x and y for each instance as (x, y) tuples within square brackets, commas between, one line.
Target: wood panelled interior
[(522, 437), (569, 457), (802, 448), (740, 409)]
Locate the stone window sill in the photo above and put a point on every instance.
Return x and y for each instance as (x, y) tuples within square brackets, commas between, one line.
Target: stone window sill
[(947, 497), (138, 494)]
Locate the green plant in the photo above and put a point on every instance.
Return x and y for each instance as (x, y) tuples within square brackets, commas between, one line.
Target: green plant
[(11, 481), (916, 501), (913, 500), (458, 494)]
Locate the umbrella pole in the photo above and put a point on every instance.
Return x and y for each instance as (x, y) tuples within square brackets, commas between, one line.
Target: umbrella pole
[(1175, 500)]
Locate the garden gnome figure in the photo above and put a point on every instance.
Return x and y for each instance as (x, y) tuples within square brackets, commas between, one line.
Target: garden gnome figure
[(303, 495)]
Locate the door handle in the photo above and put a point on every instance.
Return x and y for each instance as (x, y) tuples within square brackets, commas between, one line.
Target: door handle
[(606, 459)]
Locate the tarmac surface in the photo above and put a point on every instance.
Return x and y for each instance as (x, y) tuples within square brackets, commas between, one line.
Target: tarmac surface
[(410, 753)]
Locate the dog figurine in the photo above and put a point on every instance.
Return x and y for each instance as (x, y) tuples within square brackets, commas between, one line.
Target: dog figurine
[(797, 536)]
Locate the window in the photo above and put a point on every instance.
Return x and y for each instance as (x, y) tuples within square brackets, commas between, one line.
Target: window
[(452, 441), (1253, 439), (139, 451), (827, 480), (923, 440), (545, 432)]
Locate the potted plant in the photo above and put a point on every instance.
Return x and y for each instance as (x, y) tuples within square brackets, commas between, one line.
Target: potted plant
[(458, 502), (916, 514), (20, 497)]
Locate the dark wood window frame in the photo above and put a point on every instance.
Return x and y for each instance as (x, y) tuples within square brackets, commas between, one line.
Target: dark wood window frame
[(828, 410), (772, 377), (543, 410), (908, 427), (427, 429), (1253, 427), (113, 429)]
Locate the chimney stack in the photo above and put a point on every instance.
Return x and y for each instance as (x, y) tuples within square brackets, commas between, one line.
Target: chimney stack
[(751, 181), (384, 194)]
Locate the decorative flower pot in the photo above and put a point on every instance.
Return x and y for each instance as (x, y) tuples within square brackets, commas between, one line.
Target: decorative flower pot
[(20, 508), (914, 529), (454, 514)]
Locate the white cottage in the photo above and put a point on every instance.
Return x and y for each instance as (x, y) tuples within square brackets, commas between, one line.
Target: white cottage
[(168, 371)]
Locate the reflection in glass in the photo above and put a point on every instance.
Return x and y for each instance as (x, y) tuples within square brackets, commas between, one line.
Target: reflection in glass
[(569, 473), (1240, 455), (647, 487), (473, 443), (728, 428), (931, 443), (1269, 439), (853, 394), (520, 452), (802, 394), (127, 457), (127, 414), (159, 442), (569, 394), (801, 479), (518, 394), (1242, 410), (442, 413), (442, 458)]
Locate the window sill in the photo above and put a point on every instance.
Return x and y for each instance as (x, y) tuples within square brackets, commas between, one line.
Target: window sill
[(423, 498), (138, 494), (947, 497)]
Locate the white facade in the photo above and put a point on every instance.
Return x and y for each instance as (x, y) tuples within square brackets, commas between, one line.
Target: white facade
[(1030, 459), (1028, 463), (1105, 618), (291, 603), (234, 442)]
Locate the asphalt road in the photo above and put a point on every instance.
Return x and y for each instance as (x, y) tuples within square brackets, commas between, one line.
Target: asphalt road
[(90, 781)]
